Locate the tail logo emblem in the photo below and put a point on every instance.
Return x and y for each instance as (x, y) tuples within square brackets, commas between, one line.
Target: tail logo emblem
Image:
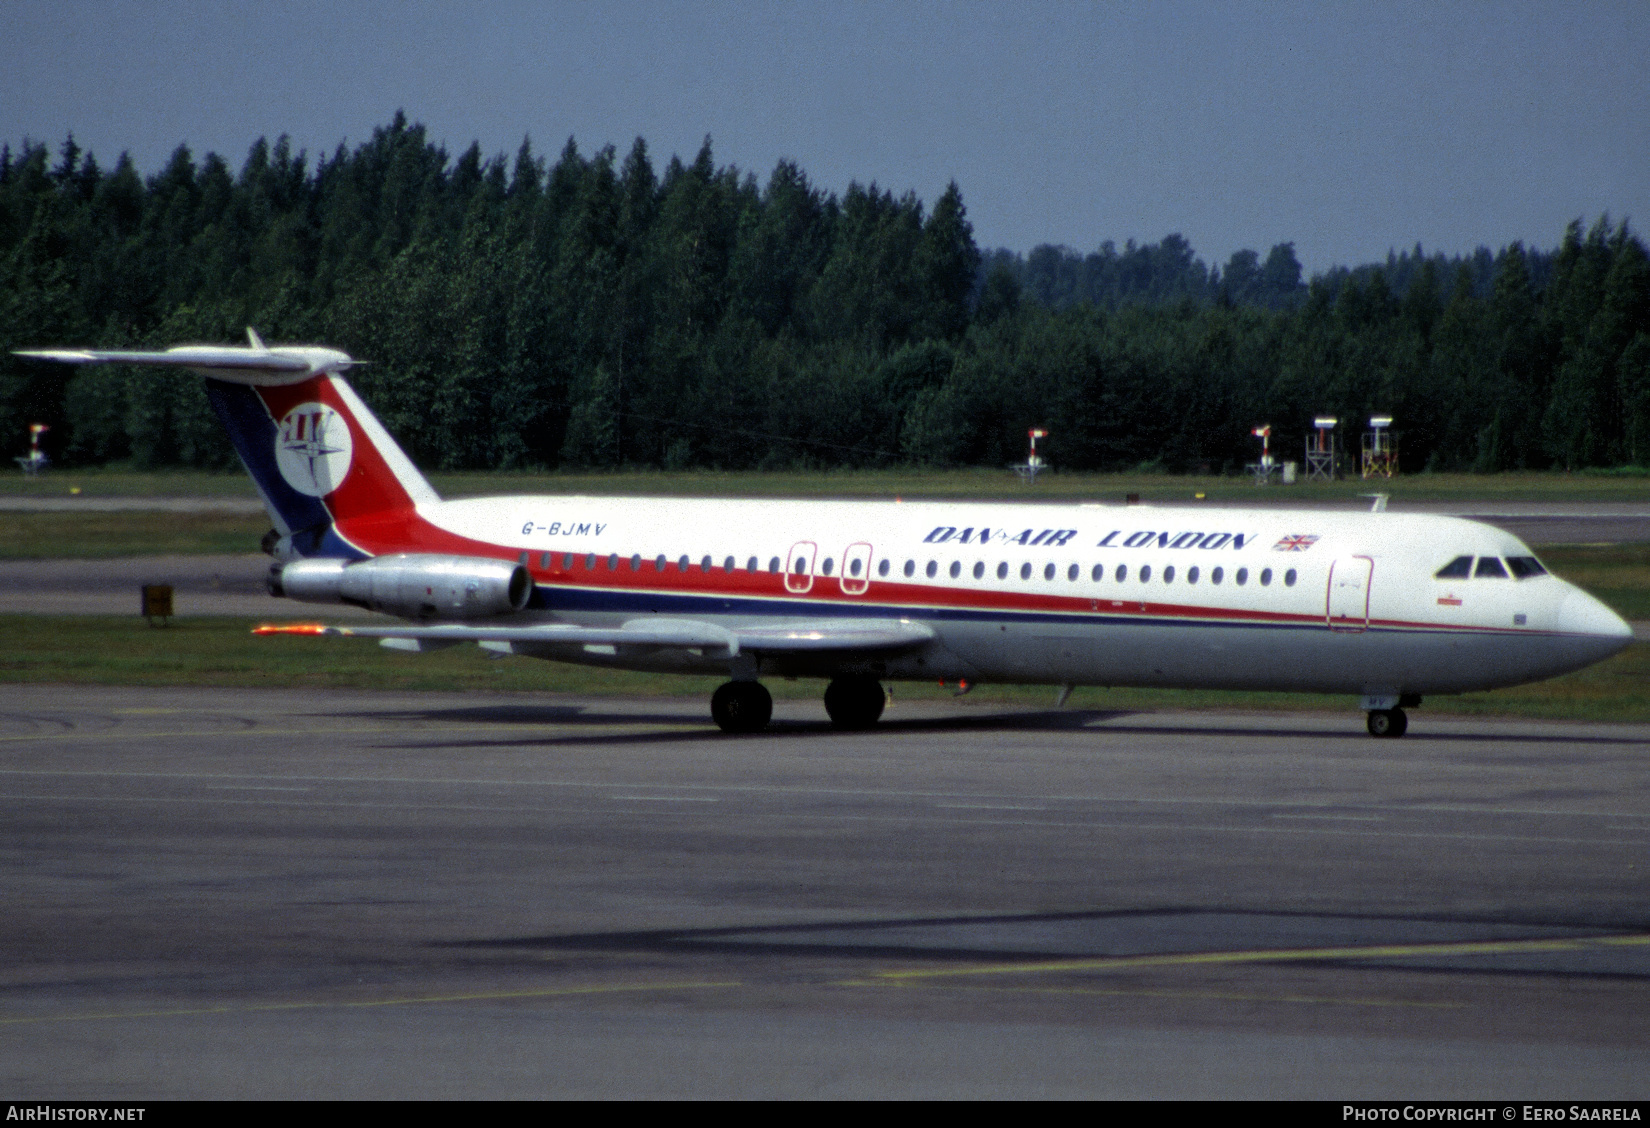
[(313, 449)]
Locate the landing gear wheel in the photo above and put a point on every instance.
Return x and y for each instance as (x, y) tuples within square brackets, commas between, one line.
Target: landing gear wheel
[(1388, 722), (741, 706), (854, 702)]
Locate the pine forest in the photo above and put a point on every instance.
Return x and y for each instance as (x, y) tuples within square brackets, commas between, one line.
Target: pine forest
[(591, 310)]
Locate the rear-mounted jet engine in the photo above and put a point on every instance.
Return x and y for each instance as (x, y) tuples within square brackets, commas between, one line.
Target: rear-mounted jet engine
[(412, 585)]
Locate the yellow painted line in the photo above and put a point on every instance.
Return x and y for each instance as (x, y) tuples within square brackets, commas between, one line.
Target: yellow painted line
[(1215, 996), (1279, 955), (410, 1000)]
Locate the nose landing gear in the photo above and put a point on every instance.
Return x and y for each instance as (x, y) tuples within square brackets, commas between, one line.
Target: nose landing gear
[(1388, 722), (741, 706), (1386, 713)]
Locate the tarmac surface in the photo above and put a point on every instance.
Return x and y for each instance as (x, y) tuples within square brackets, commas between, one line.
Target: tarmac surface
[(284, 893)]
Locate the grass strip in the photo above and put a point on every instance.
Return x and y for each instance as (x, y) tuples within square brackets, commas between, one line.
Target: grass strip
[(55, 536), (901, 482)]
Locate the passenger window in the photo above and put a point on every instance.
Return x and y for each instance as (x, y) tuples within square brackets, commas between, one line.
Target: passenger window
[(1191, 574), (1122, 573), (1523, 567), (1098, 574), (773, 565), (684, 564), (1145, 572), (705, 564), (660, 563), (567, 561), (1168, 574), (590, 562), (801, 566), (544, 561), (979, 569), (853, 566), (826, 567), (1489, 567), (523, 558), (910, 568), (932, 569), (750, 565), (1266, 577), (882, 568), (613, 562), (1025, 571), (1002, 570), (1458, 569), (956, 568), (1242, 576), (1048, 571), (1073, 572), (1289, 578), (1217, 575)]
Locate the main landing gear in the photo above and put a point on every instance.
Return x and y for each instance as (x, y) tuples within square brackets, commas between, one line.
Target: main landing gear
[(741, 706), (854, 702)]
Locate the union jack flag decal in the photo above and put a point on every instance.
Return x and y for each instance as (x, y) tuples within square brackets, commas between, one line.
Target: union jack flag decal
[(1295, 542)]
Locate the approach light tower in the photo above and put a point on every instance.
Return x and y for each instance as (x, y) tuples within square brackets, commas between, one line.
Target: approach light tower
[(1262, 470), (1380, 448), (1320, 449), (36, 460), (1034, 464)]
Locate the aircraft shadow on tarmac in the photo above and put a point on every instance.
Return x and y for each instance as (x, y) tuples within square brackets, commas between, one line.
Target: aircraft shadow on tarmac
[(1420, 943), (999, 720), (596, 719)]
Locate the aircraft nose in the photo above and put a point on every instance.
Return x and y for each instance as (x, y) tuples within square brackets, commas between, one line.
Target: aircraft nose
[(1581, 614)]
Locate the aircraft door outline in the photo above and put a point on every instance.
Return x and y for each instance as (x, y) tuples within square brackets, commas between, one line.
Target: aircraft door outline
[(1346, 602), (799, 567), (855, 580)]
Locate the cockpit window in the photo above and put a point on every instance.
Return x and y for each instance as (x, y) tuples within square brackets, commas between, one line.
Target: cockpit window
[(1523, 567), (1458, 569), (1490, 566)]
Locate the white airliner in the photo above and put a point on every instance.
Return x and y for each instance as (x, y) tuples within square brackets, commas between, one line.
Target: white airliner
[(1386, 606)]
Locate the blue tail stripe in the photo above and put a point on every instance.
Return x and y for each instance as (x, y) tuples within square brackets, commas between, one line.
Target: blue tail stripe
[(253, 432)]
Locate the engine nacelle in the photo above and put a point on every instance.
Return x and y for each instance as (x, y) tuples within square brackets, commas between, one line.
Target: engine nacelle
[(411, 585)]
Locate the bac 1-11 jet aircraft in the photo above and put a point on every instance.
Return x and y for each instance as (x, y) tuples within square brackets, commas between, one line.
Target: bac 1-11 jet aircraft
[(1387, 606)]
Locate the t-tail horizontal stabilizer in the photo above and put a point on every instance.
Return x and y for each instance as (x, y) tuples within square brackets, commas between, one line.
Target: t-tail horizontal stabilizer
[(255, 363)]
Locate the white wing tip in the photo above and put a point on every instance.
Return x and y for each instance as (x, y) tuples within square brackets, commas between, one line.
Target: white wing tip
[(70, 356)]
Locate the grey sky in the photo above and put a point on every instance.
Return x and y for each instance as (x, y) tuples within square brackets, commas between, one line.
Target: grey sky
[(1347, 128)]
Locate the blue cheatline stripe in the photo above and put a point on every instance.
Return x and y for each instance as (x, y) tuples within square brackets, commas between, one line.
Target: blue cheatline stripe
[(549, 597), (253, 432)]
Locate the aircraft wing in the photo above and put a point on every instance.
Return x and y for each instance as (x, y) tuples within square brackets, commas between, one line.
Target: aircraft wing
[(815, 635)]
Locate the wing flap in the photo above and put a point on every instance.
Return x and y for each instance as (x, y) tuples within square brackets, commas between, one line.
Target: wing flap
[(835, 634)]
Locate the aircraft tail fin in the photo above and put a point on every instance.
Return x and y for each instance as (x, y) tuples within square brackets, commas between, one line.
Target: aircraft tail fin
[(318, 456)]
